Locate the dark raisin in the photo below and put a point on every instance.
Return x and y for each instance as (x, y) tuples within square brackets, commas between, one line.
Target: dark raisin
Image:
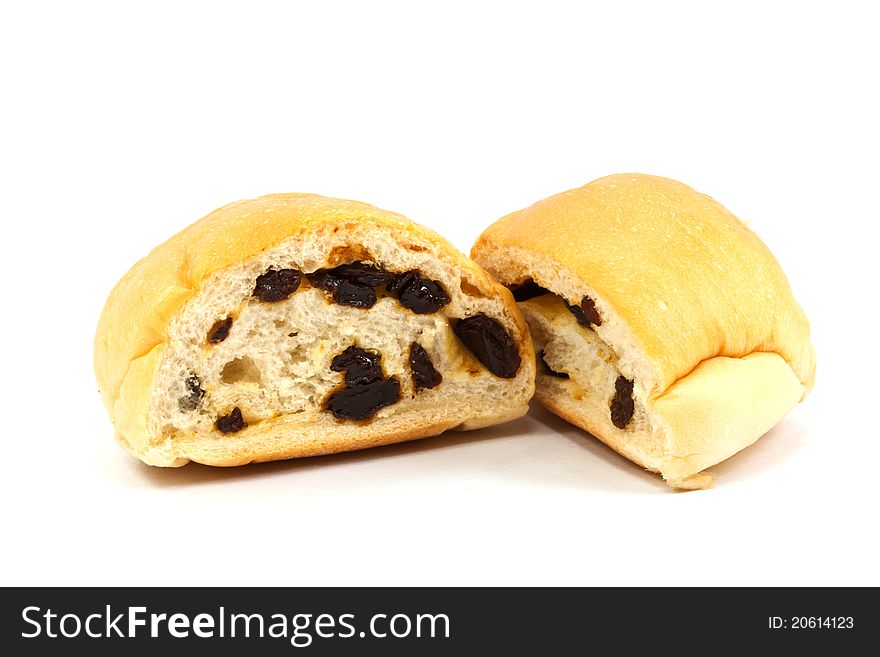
[(347, 293), (528, 290), (490, 343), (423, 373), (231, 423), (277, 284), (360, 366), (590, 311), (578, 312), (396, 284), (323, 279), (550, 370), (220, 331), (362, 274), (363, 401), (622, 405), (352, 284), (586, 313), (421, 295), (366, 389), (194, 394)]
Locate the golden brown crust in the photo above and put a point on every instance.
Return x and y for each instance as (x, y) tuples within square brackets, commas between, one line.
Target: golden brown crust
[(688, 289), (133, 329), (692, 281), (137, 312)]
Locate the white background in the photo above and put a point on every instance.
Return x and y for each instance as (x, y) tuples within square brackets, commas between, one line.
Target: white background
[(121, 125)]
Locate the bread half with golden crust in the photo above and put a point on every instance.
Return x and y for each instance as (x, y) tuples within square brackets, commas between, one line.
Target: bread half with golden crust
[(296, 325), (662, 324)]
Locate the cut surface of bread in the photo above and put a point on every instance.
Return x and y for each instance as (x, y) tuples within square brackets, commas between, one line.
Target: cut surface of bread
[(297, 325), (661, 323)]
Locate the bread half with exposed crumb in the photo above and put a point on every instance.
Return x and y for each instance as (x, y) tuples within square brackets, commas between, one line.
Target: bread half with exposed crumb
[(297, 325), (662, 324)]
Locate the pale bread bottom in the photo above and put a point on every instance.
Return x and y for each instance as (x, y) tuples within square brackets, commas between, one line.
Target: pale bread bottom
[(316, 433), (721, 407)]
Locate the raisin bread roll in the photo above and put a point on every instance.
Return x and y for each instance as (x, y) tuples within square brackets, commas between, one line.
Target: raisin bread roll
[(297, 325), (662, 324)]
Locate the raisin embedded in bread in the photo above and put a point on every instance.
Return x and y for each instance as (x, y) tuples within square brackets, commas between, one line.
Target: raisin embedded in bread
[(664, 325), (296, 325)]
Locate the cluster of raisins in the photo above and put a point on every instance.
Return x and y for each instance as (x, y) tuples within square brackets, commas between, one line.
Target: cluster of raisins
[(366, 389), (355, 285)]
